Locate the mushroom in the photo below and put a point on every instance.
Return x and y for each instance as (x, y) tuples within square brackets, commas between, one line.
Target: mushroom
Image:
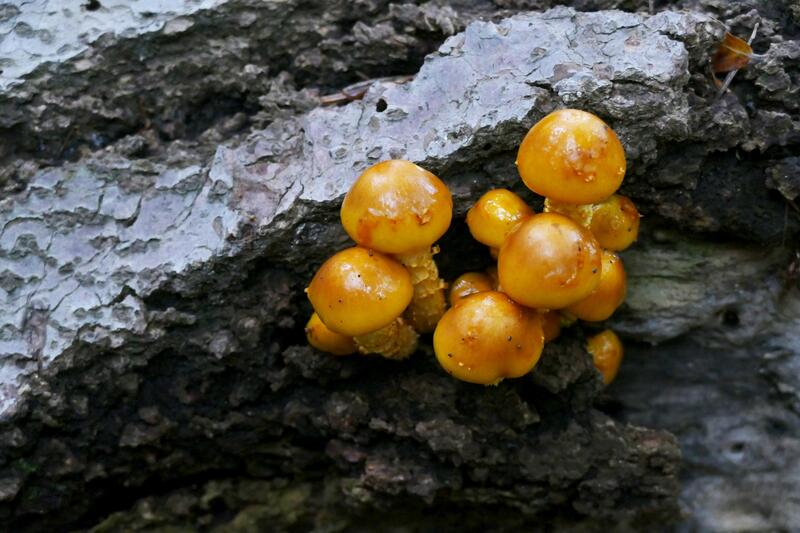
[(551, 325), (606, 351), (474, 282), (488, 337), (469, 283), (495, 215), (607, 296), (362, 293), (323, 339), (491, 271), (549, 262), (399, 208), (572, 156), (614, 222)]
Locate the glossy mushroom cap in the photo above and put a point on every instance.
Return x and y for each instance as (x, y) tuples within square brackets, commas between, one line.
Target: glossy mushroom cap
[(606, 350), (325, 340), (551, 325), (495, 215), (549, 262), (487, 337), (582, 214), (358, 291), (572, 156), (397, 207), (491, 271), (615, 223), (469, 283), (609, 293)]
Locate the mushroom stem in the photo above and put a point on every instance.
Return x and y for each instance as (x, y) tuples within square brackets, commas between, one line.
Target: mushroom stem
[(397, 340), (428, 303)]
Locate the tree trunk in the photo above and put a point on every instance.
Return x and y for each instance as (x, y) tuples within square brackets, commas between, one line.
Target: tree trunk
[(171, 180)]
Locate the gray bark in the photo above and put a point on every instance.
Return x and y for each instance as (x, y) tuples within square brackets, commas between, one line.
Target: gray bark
[(152, 359)]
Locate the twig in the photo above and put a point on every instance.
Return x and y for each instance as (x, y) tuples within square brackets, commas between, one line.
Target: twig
[(357, 90)]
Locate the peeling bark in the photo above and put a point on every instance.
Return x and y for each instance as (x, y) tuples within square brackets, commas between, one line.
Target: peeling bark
[(152, 307)]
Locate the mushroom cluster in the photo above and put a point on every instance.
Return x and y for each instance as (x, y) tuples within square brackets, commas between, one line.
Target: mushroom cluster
[(553, 268)]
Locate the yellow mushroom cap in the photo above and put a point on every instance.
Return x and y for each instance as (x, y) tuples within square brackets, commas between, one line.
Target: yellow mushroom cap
[(469, 283), (491, 271), (551, 325), (606, 350), (549, 262), (397, 207), (488, 337), (572, 156), (358, 291), (325, 340), (582, 214), (609, 293), (615, 223), (495, 215)]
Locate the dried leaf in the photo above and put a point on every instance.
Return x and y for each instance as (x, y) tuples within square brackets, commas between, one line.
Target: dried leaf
[(734, 53)]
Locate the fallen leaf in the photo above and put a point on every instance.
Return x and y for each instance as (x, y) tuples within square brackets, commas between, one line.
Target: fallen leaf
[(733, 53)]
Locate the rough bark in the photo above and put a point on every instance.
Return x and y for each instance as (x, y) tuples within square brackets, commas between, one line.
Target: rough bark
[(152, 308)]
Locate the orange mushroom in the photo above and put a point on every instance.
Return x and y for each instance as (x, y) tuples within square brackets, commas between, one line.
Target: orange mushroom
[(551, 325), (495, 215), (549, 262), (572, 156), (491, 271), (488, 337), (614, 222), (362, 293), (397, 207), (323, 339), (469, 283), (607, 296), (606, 351)]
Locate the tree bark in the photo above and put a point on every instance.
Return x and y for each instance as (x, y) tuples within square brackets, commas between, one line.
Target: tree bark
[(171, 182)]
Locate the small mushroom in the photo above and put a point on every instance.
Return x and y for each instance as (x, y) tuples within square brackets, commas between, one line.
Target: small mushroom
[(491, 271), (323, 339), (469, 283), (572, 156), (551, 325), (488, 337), (607, 296), (495, 215), (614, 222), (549, 262), (606, 351), (397, 207), (362, 293)]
